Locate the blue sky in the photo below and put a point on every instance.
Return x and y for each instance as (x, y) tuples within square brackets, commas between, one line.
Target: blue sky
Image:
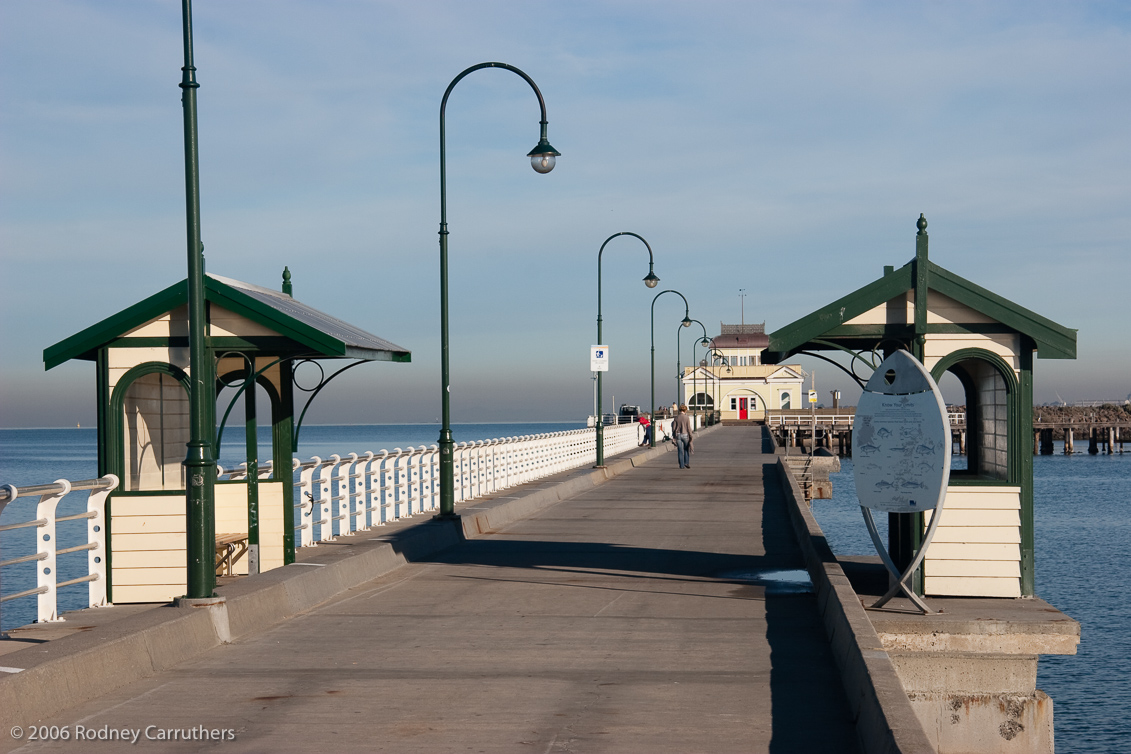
[(783, 148)]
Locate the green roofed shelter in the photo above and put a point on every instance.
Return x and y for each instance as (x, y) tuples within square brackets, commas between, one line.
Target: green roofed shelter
[(256, 337), (984, 543)]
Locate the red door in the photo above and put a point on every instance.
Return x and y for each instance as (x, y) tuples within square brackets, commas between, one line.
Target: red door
[(742, 408)]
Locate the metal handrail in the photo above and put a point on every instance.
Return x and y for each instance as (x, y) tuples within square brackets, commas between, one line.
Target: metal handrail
[(47, 548)]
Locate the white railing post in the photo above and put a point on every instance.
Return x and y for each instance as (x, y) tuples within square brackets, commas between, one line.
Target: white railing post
[(324, 500), (415, 467), (45, 574), (306, 502), (395, 488), (344, 496), (429, 474), (388, 490), (96, 535), (360, 502)]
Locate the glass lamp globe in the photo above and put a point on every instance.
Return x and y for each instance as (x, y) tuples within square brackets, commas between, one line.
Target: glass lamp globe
[(651, 281), (542, 163)]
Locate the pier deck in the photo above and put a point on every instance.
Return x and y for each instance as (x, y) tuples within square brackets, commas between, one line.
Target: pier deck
[(629, 617)]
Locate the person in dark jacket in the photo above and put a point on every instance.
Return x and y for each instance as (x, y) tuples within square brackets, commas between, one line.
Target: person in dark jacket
[(681, 431)]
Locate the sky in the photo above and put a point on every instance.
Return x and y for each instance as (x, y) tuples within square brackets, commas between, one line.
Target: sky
[(784, 150)]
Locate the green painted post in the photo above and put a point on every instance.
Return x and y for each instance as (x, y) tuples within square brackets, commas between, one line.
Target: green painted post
[(542, 159), (251, 446), (200, 465), (651, 280)]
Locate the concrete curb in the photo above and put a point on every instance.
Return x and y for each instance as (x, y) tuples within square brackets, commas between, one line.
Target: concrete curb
[(71, 670), (886, 723)]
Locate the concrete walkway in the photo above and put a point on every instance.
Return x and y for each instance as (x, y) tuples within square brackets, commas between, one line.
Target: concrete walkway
[(643, 615)]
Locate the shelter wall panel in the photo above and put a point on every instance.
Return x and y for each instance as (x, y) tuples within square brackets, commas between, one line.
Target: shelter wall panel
[(149, 525), (950, 586), (1005, 498), (138, 505), (223, 322), (148, 593), (940, 551), (899, 310), (1006, 569), (957, 518), (156, 542), (1005, 345), (945, 310), (171, 324), (149, 577), (120, 360), (977, 534), (149, 559)]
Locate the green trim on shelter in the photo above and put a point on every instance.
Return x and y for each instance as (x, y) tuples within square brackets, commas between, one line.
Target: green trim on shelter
[(1053, 341), (310, 331)]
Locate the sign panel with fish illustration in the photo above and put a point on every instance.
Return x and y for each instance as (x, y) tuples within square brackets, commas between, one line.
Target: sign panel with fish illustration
[(901, 439)]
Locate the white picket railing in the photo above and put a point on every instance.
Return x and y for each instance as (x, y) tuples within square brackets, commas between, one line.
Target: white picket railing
[(336, 496), (47, 548), (342, 495)]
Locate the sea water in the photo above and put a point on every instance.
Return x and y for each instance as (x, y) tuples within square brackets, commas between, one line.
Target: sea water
[(1081, 509)]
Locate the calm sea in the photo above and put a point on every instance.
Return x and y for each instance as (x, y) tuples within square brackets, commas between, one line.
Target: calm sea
[(1082, 509)]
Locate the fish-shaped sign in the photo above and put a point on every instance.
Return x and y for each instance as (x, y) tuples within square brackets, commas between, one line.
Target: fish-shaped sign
[(903, 431)]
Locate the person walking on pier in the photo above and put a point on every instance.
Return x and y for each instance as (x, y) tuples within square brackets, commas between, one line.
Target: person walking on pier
[(681, 431)]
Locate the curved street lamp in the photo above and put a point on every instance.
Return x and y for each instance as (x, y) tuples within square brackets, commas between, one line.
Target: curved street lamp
[(651, 281), (542, 159), (678, 364), (686, 323), (706, 343), (716, 354)]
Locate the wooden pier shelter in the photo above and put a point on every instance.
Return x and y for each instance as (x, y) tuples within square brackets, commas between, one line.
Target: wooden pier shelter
[(984, 543), (256, 338)]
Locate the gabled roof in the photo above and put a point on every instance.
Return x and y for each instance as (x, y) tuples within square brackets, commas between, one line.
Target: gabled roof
[(1053, 341), (312, 331)]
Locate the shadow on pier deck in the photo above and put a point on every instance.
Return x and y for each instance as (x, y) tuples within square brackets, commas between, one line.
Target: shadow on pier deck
[(641, 608)]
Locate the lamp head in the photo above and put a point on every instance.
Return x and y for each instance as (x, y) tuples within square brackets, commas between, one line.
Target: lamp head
[(651, 281), (686, 321), (542, 157), (705, 342)]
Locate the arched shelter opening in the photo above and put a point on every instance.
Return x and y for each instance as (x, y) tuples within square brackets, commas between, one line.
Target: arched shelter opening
[(984, 543), (255, 337)]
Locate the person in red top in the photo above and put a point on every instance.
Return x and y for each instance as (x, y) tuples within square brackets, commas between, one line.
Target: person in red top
[(647, 429)]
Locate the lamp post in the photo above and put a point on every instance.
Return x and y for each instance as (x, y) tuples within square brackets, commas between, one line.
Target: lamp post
[(705, 342), (678, 365), (200, 463), (542, 159), (716, 354), (686, 323), (651, 281)]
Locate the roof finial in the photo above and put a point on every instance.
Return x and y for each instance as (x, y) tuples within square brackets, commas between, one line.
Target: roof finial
[(287, 282), (921, 224)]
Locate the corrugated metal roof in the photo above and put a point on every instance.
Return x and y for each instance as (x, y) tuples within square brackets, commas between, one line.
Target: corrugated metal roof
[(352, 337)]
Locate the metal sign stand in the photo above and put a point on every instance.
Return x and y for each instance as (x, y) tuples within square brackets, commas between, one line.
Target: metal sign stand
[(901, 579), (901, 451)]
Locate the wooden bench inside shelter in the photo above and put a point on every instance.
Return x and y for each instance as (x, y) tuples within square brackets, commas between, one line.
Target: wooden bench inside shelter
[(229, 549)]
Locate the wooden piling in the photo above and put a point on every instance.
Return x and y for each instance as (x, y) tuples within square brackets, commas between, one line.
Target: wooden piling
[(1069, 449)]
